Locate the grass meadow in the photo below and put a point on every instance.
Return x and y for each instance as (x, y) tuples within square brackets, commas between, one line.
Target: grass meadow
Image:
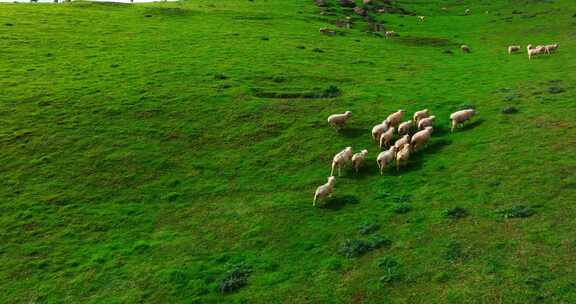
[(169, 153)]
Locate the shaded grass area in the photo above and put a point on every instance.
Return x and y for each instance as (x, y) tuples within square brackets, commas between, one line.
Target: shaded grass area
[(168, 153)]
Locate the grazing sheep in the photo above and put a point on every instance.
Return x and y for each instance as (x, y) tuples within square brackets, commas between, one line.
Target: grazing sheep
[(421, 138), (421, 18), (444, 8), (389, 34), (467, 11), (405, 127), (426, 122), (402, 142), (385, 158), (460, 117), (324, 190), (402, 156), (533, 51), (358, 159), (378, 129), (419, 115), (339, 120), (551, 47), (328, 32), (394, 119), (465, 48), (513, 49), (386, 137), (340, 160)]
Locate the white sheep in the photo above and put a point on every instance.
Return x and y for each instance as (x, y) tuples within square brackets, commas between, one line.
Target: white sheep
[(467, 11), (420, 114), (386, 137), (459, 117), (385, 158), (339, 120), (394, 119), (513, 49), (378, 129), (551, 47), (405, 127), (402, 156), (533, 51), (402, 142), (389, 34), (358, 159), (421, 138), (421, 18), (465, 48), (426, 122), (324, 190), (341, 159)]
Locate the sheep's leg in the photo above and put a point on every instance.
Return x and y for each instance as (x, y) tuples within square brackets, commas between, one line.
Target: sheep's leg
[(452, 126), (332, 171), (339, 170), (315, 198)]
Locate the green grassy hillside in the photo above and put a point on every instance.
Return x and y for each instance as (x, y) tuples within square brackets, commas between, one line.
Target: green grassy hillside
[(155, 153)]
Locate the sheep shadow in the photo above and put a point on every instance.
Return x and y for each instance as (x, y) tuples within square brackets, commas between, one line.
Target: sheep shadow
[(471, 125), (440, 131), (352, 132), (417, 158), (434, 147), (368, 169), (338, 202)]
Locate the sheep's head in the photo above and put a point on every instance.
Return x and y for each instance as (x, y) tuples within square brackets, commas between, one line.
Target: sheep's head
[(364, 152), (348, 113), (432, 117), (348, 150), (331, 179), (529, 47), (402, 111), (429, 129), (392, 149)]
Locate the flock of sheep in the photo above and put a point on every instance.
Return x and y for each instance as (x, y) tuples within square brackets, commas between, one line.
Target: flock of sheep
[(412, 136)]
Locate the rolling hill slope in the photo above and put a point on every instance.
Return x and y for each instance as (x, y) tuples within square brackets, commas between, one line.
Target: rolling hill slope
[(162, 152)]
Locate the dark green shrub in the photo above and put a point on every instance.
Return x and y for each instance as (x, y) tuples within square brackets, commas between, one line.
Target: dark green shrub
[(402, 208), (509, 110), (391, 269), (378, 241), (236, 278), (356, 248), (453, 251), (518, 211), (455, 213), (332, 91), (368, 228)]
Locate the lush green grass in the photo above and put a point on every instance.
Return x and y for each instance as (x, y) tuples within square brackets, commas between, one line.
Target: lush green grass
[(137, 164)]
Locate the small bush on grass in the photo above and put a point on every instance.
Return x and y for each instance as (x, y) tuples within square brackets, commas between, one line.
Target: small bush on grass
[(518, 211), (352, 248), (455, 213), (391, 269), (235, 278)]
